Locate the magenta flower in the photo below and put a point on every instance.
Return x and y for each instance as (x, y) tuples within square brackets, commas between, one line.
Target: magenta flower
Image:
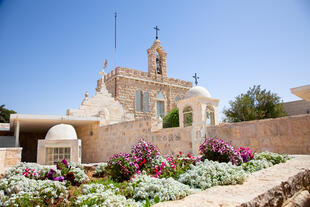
[(50, 174), (60, 179)]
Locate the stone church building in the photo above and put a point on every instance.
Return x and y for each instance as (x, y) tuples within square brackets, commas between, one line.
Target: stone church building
[(143, 94)]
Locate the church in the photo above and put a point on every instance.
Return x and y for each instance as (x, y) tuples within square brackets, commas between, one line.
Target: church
[(128, 105), (141, 94)]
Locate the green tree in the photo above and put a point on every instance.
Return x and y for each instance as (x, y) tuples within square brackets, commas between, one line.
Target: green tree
[(5, 114), (172, 119), (255, 104)]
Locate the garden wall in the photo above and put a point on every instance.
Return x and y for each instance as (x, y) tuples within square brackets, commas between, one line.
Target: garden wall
[(289, 134), (108, 140), (9, 157)]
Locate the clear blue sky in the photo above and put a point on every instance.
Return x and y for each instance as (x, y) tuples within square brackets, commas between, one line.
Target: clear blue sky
[(51, 51)]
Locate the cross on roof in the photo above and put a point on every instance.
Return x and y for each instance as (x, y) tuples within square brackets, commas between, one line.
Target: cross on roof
[(157, 29), (196, 79)]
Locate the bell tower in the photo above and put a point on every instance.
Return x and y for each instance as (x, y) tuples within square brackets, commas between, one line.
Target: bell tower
[(157, 61)]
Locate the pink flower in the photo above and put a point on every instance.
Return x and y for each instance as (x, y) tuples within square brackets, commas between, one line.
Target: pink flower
[(136, 165)]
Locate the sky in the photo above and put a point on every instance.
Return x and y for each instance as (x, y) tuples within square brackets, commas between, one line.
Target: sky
[(51, 51)]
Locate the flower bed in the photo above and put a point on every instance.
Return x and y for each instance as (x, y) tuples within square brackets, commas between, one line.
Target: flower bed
[(140, 179)]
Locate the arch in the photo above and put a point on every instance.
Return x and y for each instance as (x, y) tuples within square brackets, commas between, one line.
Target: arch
[(210, 115), (177, 98), (139, 100), (187, 116)]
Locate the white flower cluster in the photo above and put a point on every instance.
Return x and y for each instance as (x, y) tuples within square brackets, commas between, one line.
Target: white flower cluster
[(158, 161), (144, 187), (76, 165), (272, 157), (99, 195), (264, 160), (100, 169), (79, 175), (209, 173), (18, 186), (20, 168), (256, 165)]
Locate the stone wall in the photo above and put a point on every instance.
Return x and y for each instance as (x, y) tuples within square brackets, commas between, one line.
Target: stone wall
[(128, 81), (89, 135), (297, 107), (284, 135), (9, 157), (112, 139)]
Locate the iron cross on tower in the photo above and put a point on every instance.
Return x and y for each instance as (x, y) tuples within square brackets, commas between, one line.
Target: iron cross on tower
[(196, 79), (157, 29)]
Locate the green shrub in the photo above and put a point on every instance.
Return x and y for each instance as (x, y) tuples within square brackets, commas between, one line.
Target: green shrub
[(172, 119)]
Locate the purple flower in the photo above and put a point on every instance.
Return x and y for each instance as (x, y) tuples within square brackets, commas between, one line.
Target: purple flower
[(64, 161), (218, 150), (50, 174), (60, 179)]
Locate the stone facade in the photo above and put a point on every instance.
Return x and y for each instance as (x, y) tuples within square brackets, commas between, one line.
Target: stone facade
[(123, 84), (297, 107)]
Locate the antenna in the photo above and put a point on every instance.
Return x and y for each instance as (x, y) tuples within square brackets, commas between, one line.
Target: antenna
[(115, 15)]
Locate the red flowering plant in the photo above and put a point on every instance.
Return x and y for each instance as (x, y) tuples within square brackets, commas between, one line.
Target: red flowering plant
[(217, 150), (177, 165), (246, 153), (122, 167), (30, 173), (143, 153)]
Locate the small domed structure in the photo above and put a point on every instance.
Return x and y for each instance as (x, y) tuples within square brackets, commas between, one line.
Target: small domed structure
[(61, 132), (197, 91)]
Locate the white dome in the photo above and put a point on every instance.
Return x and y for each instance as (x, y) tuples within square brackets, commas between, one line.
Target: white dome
[(197, 91), (61, 131)]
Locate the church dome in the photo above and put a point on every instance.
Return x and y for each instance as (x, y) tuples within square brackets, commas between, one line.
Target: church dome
[(60, 132), (197, 91)]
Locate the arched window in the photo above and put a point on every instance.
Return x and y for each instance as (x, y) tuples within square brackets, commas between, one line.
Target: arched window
[(177, 98), (210, 115), (187, 116), (158, 64), (139, 100), (160, 104), (146, 102)]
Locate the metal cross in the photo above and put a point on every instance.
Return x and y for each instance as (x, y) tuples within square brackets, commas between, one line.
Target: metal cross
[(196, 79), (157, 29)]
